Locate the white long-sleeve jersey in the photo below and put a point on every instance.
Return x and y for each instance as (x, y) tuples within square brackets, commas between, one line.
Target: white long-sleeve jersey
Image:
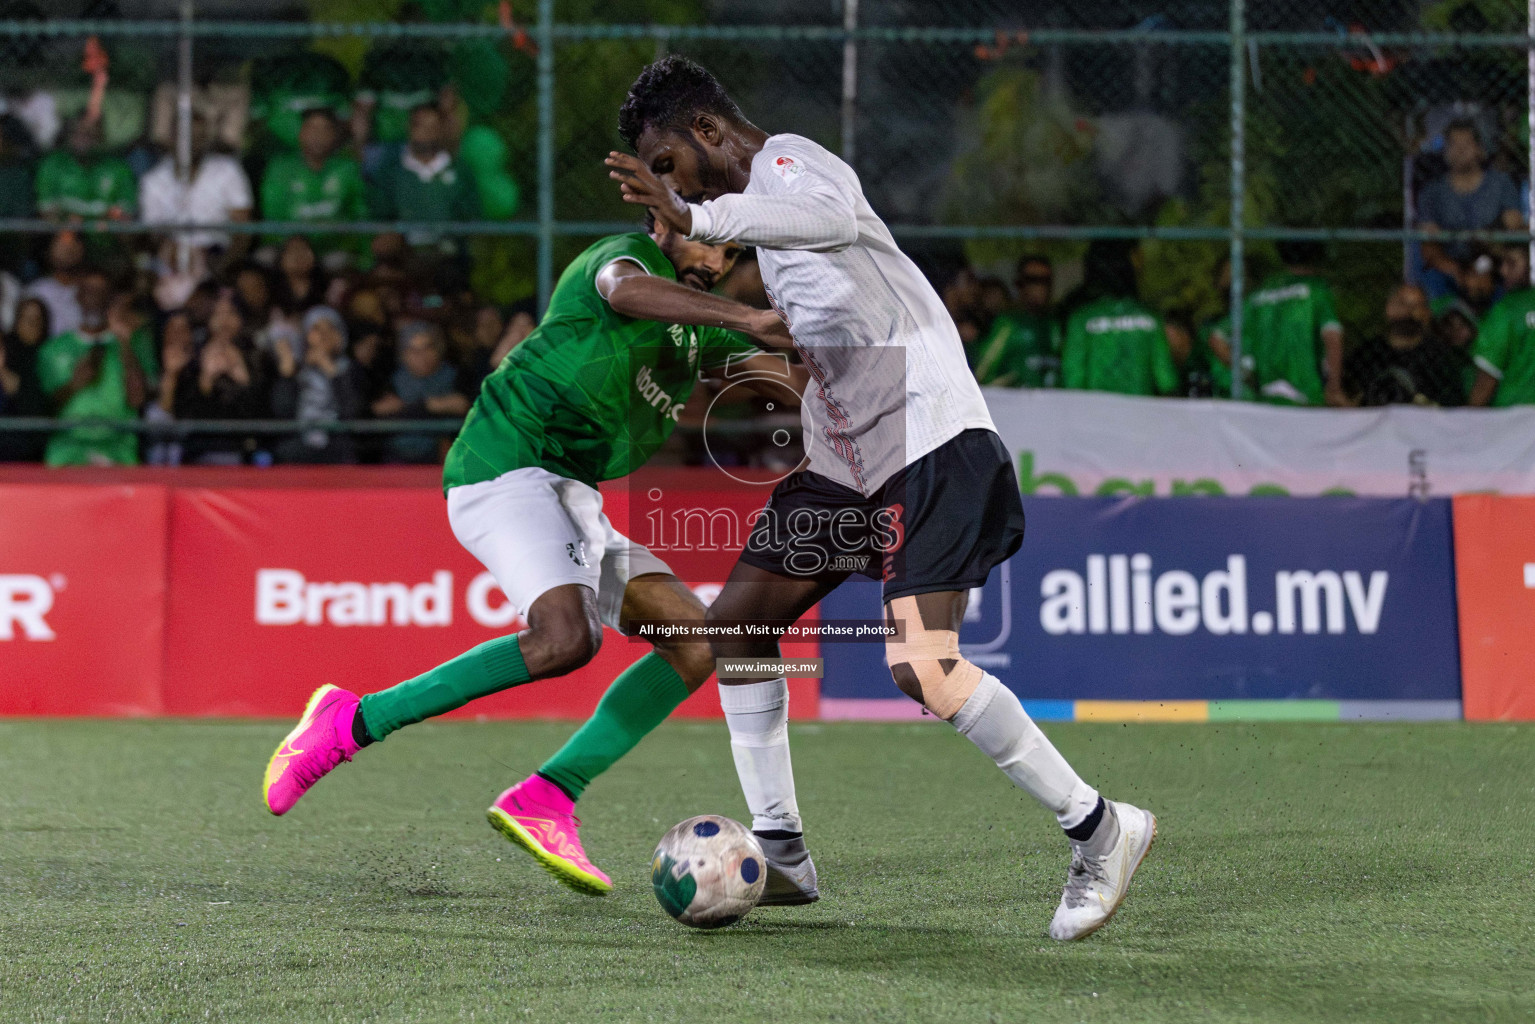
[(889, 381)]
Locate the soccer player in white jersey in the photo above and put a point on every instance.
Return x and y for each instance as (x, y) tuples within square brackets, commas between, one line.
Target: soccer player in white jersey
[(907, 480)]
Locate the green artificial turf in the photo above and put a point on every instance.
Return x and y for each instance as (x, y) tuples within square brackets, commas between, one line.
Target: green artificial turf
[(1304, 872)]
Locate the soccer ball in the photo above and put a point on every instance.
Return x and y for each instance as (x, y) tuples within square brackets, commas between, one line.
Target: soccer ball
[(708, 872)]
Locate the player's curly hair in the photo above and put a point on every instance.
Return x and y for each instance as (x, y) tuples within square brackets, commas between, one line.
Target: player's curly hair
[(669, 94)]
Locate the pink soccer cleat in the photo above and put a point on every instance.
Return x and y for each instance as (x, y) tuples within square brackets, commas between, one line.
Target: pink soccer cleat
[(537, 816), (321, 740)]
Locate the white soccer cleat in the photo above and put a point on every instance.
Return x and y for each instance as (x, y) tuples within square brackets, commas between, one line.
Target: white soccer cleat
[(1101, 869), (791, 880)]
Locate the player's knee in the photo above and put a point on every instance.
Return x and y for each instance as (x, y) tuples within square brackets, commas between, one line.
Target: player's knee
[(561, 647), (578, 647), (927, 666)]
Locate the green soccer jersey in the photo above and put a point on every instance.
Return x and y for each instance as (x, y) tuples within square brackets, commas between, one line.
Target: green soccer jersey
[(104, 398), (1284, 321), (290, 190), (1505, 348), (1022, 350), (69, 187), (406, 189), (1118, 345), (591, 394)]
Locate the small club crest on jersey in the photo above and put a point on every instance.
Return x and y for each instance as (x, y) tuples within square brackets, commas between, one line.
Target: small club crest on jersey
[(577, 552), (788, 168)]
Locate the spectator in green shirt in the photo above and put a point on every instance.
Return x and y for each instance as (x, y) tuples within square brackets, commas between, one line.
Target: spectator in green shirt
[(1022, 349), (1114, 342), (1504, 351), (98, 371), (425, 183), (1292, 330), (81, 183), (317, 184)]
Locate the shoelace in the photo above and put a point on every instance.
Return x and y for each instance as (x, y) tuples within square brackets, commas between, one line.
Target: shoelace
[(1083, 872), (333, 757)]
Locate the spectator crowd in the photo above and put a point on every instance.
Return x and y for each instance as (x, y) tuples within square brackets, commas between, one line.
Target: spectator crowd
[(182, 315), (187, 315)]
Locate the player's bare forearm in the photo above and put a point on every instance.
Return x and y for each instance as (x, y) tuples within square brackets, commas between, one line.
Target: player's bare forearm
[(652, 298)]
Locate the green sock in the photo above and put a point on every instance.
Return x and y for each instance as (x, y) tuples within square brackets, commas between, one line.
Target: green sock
[(638, 701), (491, 667)]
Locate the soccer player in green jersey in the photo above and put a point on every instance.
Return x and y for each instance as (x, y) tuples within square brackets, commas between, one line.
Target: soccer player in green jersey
[(1115, 342), (589, 396), (1294, 334), (1504, 351)]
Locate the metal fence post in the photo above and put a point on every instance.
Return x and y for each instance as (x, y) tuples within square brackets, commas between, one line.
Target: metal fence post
[(184, 169), (545, 153), (1238, 184), (850, 81)]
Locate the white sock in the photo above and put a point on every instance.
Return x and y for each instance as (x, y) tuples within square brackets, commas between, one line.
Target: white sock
[(994, 720), (758, 716)]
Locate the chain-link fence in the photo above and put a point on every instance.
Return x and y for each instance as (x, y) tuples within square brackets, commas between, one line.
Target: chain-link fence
[(982, 131)]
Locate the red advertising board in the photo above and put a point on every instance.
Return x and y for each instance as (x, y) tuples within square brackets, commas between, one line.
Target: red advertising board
[(237, 592), (82, 598), (1495, 584), (275, 591)]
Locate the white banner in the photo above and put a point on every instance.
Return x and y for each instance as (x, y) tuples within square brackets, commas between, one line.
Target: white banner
[(1083, 442)]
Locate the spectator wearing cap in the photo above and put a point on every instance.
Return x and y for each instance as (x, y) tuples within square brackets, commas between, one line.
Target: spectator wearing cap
[(424, 386), (217, 191), (317, 383), (1295, 336), (1022, 349), (317, 184), (1470, 197)]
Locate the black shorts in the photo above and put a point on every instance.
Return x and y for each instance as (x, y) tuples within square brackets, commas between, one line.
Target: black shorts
[(942, 523)]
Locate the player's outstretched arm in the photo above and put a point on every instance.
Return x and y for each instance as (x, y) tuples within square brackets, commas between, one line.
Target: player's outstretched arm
[(813, 213), (629, 290)]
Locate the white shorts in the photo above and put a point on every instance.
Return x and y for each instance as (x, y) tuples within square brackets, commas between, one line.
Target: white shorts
[(535, 530)]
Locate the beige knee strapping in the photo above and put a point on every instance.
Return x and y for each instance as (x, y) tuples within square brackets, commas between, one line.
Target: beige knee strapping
[(944, 692)]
